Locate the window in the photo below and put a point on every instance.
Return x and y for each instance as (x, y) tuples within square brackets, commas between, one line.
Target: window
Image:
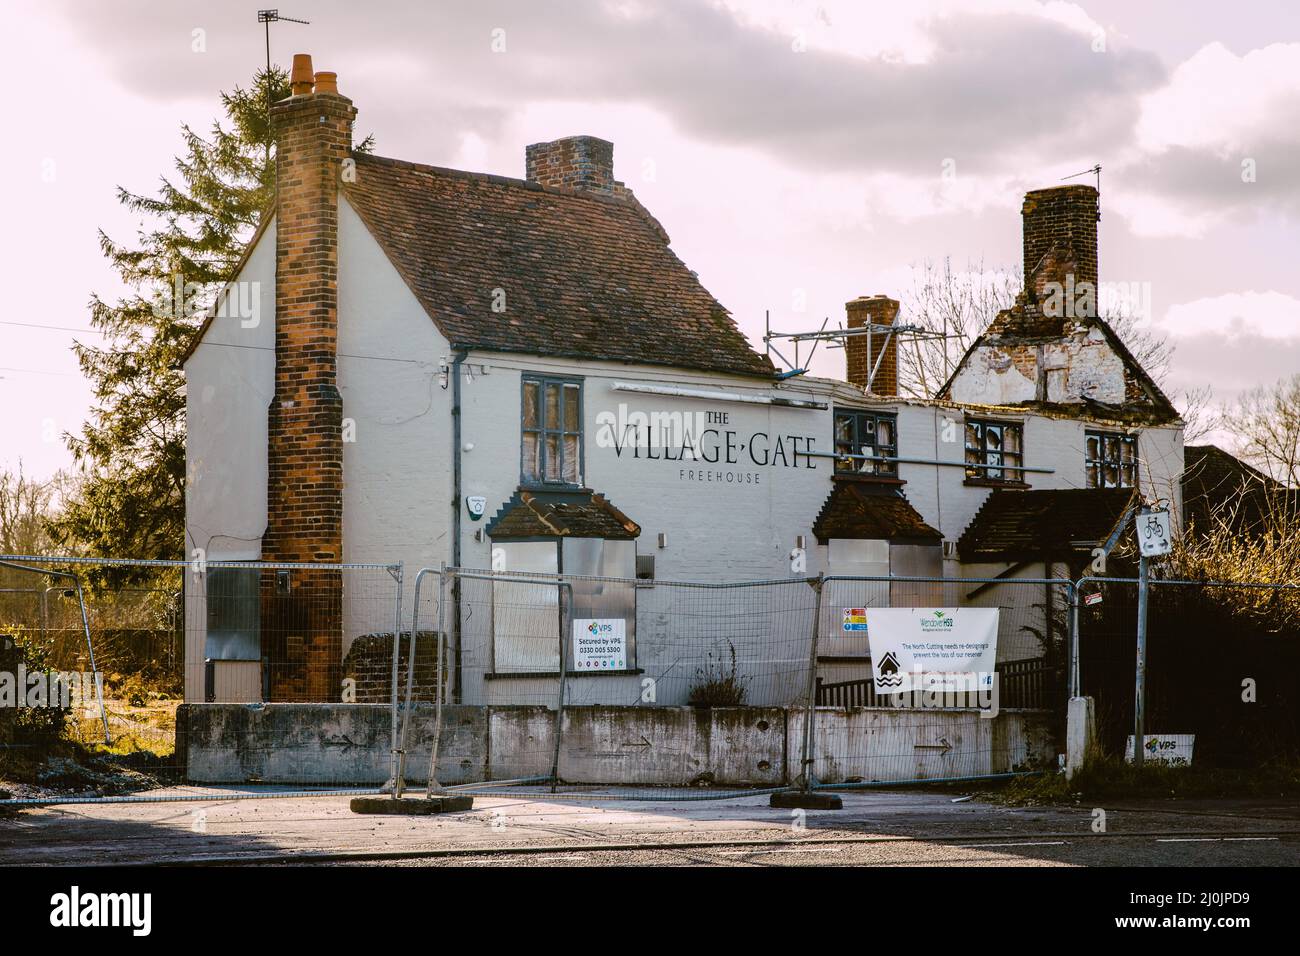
[(552, 431), (994, 451), (866, 433), (1110, 459)]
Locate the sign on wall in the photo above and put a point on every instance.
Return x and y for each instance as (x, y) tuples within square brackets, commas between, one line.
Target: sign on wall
[(932, 649), (599, 644), (1172, 749), (855, 619)]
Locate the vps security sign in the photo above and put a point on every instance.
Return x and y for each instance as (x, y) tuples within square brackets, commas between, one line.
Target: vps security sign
[(599, 644)]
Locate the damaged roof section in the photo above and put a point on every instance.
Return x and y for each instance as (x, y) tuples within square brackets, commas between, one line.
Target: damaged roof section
[(1041, 524), (556, 514), (857, 510), (1051, 351)]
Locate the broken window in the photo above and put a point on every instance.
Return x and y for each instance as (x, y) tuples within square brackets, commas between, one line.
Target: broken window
[(859, 432), (552, 431), (994, 450), (1110, 459)]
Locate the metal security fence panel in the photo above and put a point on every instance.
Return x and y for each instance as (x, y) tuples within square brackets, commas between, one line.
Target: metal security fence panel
[(1222, 669), (122, 677), (676, 688), (936, 694)]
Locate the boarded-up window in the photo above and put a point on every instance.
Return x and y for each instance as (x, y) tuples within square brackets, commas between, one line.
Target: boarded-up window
[(234, 615), (525, 614)]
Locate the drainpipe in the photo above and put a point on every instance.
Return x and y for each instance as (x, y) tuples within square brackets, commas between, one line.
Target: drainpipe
[(456, 363)]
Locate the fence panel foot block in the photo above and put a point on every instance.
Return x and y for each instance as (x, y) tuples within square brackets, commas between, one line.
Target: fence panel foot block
[(413, 806), (806, 801)]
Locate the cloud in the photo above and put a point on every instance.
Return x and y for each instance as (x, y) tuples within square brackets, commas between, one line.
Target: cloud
[(1255, 315), (1233, 342), (1221, 140), (990, 90)]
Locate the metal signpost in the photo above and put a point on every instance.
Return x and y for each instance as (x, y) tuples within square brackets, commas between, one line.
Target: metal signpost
[(1154, 540)]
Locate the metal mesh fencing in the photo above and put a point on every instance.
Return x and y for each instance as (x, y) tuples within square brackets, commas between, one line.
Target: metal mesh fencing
[(710, 670), (1222, 670), (675, 690), (938, 726), (118, 671)]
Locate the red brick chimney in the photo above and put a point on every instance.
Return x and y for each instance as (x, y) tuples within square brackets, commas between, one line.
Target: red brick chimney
[(878, 310), (578, 162), (1060, 237), (302, 613)]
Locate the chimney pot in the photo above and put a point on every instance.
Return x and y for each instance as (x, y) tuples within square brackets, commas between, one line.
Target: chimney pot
[(327, 83), (301, 76)]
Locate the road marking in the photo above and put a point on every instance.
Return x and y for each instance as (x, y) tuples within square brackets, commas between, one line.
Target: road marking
[(989, 845)]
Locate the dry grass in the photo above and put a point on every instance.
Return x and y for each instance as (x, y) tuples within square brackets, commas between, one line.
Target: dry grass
[(133, 729), (1251, 539)]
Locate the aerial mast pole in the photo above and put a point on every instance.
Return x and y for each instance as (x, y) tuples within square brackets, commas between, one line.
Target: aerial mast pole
[(267, 17)]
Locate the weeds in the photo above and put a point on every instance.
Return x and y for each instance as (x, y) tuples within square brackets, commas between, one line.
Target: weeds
[(718, 684)]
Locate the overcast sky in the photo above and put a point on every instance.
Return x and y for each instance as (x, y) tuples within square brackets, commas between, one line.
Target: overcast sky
[(798, 153)]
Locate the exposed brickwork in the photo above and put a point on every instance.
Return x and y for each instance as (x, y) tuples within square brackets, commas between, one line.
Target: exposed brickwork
[(370, 664), (1051, 349), (305, 453), (1060, 235), (878, 310), (578, 162)]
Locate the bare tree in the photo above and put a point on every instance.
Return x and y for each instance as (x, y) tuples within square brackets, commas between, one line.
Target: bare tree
[(25, 507), (1200, 415), (960, 304), (1266, 421)]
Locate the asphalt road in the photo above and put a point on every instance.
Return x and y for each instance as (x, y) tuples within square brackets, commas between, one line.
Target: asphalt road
[(535, 828), (1044, 851)]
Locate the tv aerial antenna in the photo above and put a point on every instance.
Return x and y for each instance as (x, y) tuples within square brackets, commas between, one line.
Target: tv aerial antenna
[(267, 17), (1095, 171)]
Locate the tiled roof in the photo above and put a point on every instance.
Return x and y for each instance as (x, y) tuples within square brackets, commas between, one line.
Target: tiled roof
[(1219, 485), (1044, 522), (857, 510), (552, 514), (583, 275)]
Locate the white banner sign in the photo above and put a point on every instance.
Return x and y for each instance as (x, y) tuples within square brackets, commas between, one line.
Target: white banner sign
[(599, 644), (1173, 749), (932, 649)]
